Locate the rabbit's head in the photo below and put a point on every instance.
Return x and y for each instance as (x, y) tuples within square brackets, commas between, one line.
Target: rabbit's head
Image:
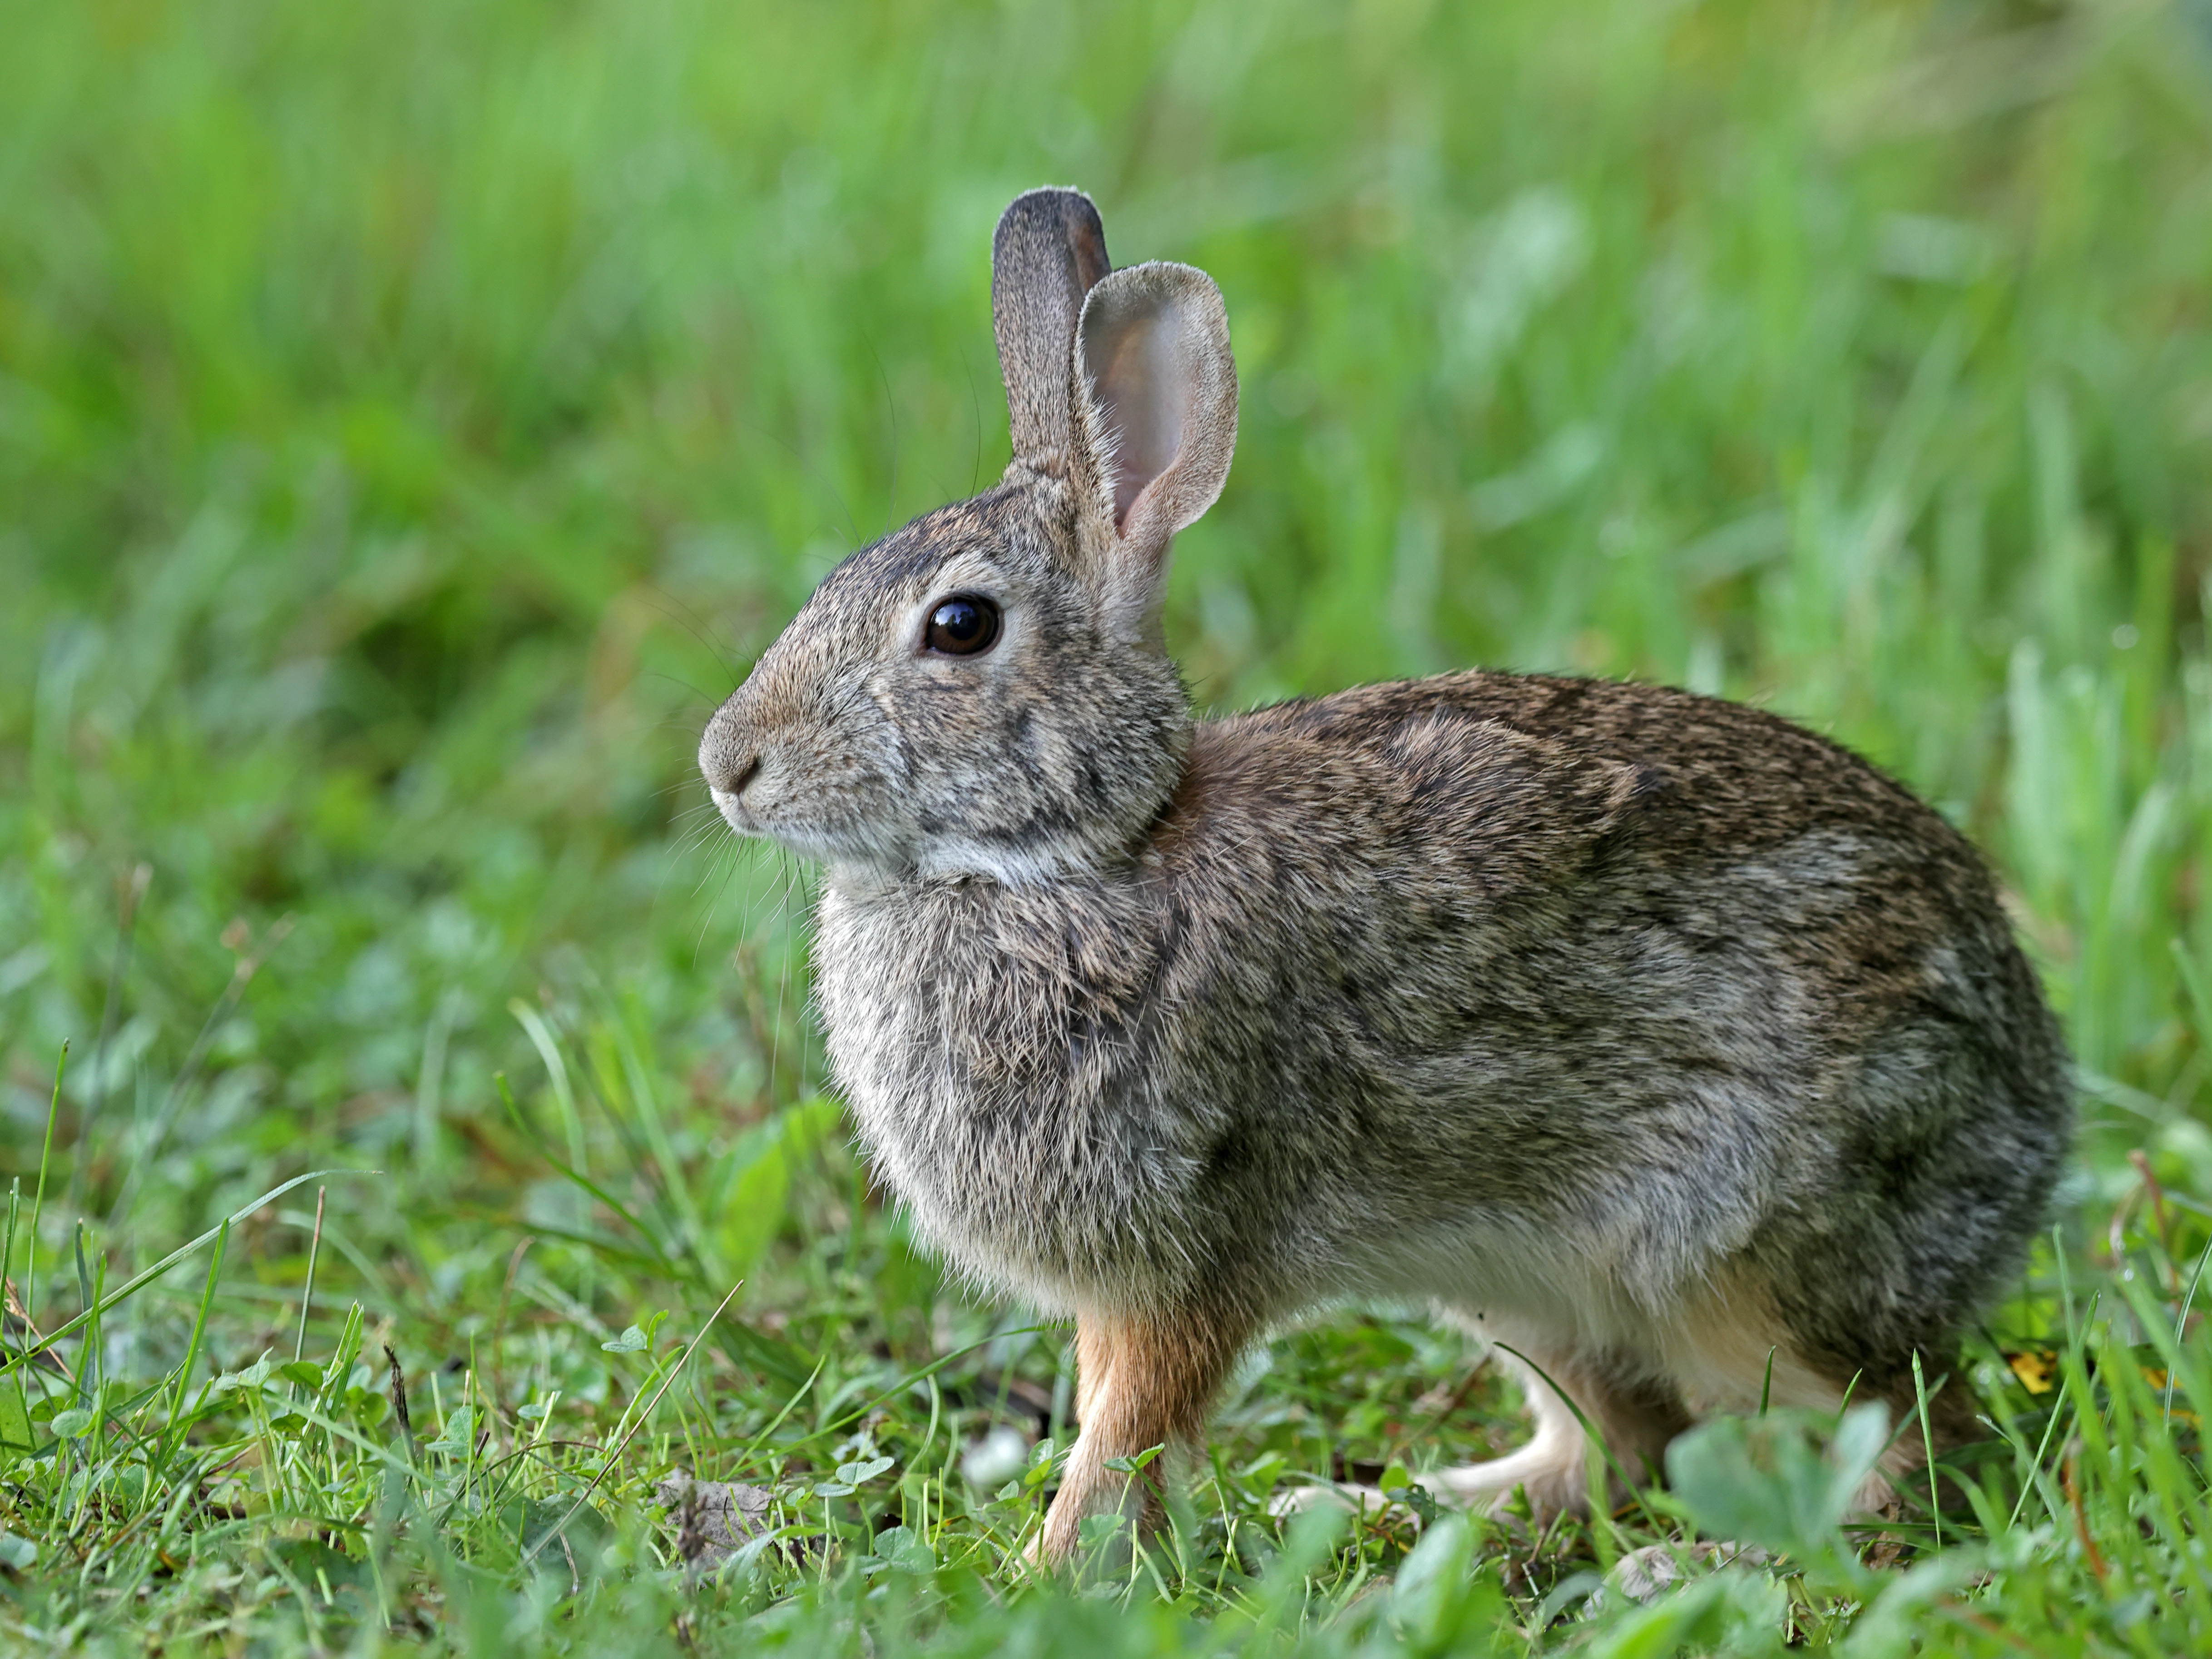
[(987, 690)]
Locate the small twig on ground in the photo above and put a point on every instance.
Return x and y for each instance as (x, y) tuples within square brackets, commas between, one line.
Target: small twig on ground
[(24, 1334), (399, 1399), (2159, 1218)]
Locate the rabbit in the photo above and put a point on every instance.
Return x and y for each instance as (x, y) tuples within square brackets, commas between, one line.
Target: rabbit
[(1673, 1051)]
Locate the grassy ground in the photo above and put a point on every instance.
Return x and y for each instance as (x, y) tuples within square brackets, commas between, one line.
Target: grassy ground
[(412, 419)]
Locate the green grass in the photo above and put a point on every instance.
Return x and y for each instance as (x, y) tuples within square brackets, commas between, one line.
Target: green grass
[(413, 417)]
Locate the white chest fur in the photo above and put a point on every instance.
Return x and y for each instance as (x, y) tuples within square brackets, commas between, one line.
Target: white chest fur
[(1037, 1160), (872, 993)]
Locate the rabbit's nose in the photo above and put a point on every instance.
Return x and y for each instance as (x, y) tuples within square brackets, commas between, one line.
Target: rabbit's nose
[(728, 786), (726, 780)]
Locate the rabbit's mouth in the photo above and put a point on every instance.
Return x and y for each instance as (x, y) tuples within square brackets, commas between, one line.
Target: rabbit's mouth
[(831, 840), (730, 804)]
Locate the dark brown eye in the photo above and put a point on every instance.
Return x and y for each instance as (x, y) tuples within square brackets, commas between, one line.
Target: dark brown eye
[(961, 626)]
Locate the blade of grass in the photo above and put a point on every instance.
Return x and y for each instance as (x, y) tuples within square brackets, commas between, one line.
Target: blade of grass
[(776, 1423), (45, 1155), (2193, 982), (172, 1100), (2150, 1449), (1844, 1403), (8, 1252), (1590, 1431), (174, 1438), (2181, 1323), (307, 1295), (129, 893), (1928, 1448), (895, 1391), (636, 1077), (549, 1050), (586, 1183), (140, 1281), (2032, 1476)]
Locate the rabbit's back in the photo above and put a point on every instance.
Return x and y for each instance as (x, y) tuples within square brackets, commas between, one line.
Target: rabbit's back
[(1539, 986)]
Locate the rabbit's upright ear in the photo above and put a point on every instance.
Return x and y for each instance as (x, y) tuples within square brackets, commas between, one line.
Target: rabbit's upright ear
[(1158, 424), (1047, 252)]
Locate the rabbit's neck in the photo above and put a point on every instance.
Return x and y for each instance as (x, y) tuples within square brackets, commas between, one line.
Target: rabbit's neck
[(1030, 867)]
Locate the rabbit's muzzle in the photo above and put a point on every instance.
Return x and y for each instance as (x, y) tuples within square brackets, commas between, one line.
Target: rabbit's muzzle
[(728, 794), (790, 758)]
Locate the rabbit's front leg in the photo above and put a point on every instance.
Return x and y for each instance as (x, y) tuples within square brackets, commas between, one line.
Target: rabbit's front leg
[(1141, 1380)]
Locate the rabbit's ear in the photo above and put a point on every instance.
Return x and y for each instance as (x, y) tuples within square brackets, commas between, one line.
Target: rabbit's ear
[(1049, 251), (1159, 425)]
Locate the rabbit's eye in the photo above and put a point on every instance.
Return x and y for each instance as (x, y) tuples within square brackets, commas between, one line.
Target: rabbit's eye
[(962, 625)]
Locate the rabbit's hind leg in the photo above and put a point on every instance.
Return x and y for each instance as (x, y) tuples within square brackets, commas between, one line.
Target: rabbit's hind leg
[(1141, 1382), (1727, 1351), (1634, 1411)]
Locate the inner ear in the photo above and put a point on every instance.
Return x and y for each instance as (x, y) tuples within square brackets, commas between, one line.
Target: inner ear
[(1154, 393), (1143, 379)]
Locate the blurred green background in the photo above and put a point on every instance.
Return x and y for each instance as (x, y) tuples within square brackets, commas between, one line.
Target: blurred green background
[(413, 419)]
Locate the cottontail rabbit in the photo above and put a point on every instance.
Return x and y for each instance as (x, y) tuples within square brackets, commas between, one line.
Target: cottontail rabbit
[(1648, 1036)]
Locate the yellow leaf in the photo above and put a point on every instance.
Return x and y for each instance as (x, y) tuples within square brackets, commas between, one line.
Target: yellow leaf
[(2033, 1367)]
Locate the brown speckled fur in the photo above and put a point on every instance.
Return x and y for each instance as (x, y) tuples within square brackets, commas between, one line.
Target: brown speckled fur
[(1647, 1035)]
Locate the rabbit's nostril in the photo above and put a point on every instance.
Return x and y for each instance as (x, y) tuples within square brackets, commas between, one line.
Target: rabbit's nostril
[(746, 774)]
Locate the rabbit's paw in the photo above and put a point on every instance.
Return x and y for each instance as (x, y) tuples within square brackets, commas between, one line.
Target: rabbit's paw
[(1554, 1484)]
